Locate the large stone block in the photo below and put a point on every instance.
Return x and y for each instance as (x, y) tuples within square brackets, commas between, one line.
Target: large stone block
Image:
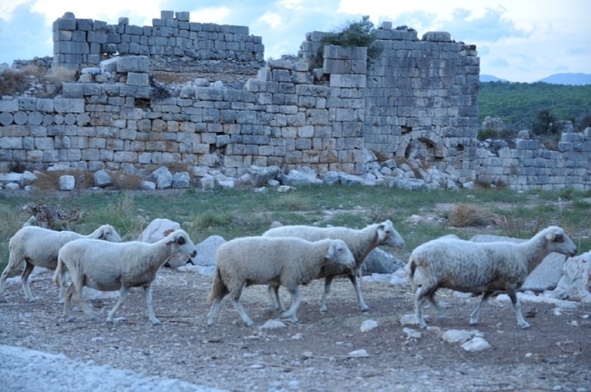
[(132, 64), (138, 79)]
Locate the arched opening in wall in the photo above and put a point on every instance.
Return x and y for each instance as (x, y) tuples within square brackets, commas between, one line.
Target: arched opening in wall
[(422, 149), (460, 148), (405, 129)]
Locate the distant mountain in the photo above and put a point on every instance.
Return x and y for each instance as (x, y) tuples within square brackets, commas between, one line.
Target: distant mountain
[(570, 79), (491, 78)]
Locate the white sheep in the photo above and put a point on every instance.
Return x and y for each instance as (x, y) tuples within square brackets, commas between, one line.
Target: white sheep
[(360, 242), (117, 266), (37, 246), (288, 262), (480, 268)]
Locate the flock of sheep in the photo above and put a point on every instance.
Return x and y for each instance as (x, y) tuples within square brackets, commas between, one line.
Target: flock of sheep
[(287, 256)]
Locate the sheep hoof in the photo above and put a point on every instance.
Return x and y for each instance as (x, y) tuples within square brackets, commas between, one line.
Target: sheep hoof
[(323, 310), (364, 310), (109, 322), (525, 326), (155, 322)]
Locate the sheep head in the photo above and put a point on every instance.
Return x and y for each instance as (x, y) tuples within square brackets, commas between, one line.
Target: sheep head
[(181, 240), (339, 253), (108, 233), (387, 235), (559, 242)]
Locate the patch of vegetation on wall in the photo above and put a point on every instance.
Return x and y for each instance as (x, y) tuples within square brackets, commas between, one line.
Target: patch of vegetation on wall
[(356, 33)]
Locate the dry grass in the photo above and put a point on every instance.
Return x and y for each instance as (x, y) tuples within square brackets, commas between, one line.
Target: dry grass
[(464, 215), (49, 181), (63, 74), (126, 181), (18, 81)]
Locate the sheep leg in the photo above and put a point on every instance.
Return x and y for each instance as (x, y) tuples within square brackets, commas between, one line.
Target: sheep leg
[(62, 282), (296, 299), (151, 315), (240, 309), (327, 282), (122, 297), (517, 306), (274, 300), (213, 311), (355, 279), (7, 271), (476, 313), (421, 296), (25, 281), (62, 293), (67, 301), (440, 310)]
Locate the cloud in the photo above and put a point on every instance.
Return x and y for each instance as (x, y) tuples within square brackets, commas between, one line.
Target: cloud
[(31, 38), (273, 19), (492, 26), (498, 62), (211, 15)]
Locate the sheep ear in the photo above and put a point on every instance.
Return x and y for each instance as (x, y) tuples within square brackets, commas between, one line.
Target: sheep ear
[(331, 250), (552, 237), (382, 232)]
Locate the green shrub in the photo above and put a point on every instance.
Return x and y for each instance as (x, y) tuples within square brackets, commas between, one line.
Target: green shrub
[(359, 33)]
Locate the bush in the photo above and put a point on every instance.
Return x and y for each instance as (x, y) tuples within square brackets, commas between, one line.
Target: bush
[(484, 134), (360, 33), (546, 123)]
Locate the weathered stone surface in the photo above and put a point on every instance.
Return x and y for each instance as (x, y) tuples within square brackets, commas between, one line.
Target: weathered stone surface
[(102, 179), (67, 183)]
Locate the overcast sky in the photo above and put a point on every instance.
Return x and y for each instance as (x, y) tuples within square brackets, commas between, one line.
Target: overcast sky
[(517, 40)]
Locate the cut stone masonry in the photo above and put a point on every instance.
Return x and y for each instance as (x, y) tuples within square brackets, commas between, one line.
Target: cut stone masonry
[(417, 101)]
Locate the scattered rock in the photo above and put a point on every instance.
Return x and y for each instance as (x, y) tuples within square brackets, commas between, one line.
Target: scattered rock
[(476, 344), (457, 336), (411, 333), (362, 353), (381, 262), (273, 324), (102, 179), (67, 183), (368, 325)]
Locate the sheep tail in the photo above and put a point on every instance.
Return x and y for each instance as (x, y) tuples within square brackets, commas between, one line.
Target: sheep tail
[(58, 272), (218, 288), (411, 268)]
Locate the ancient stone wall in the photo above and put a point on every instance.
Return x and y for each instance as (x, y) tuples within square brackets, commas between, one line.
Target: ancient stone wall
[(530, 166), (172, 43), (280, 118), (417, 101)]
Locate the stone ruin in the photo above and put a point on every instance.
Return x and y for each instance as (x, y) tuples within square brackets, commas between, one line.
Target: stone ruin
[(408, 118)]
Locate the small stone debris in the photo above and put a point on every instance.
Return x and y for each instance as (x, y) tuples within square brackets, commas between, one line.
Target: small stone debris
[(368, 325), (362, 353), (273, 324), (476, 344), (412, 334)]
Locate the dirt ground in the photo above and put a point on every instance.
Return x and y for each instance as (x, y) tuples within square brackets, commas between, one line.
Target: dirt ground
[(555, 354)]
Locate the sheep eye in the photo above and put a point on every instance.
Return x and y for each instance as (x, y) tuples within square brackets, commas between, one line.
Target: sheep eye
[(559, 238), (181, 241)]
